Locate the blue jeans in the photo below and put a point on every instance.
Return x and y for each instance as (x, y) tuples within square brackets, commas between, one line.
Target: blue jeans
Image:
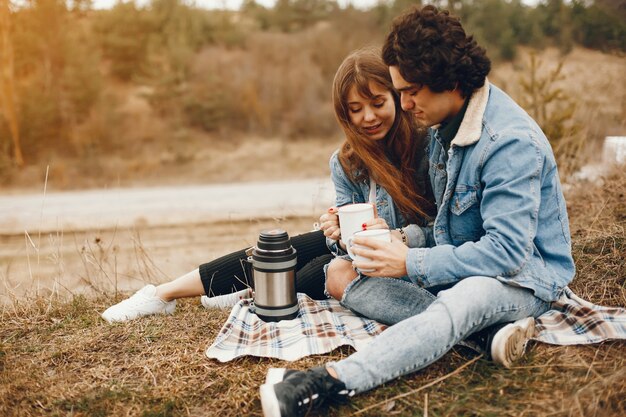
[(469, 306), (386, 300)]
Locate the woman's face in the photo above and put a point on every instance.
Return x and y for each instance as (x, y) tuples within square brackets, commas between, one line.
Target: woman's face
[(373, 116)]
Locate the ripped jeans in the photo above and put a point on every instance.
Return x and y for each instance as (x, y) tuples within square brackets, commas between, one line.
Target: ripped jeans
[(386, 300), (426, 327)]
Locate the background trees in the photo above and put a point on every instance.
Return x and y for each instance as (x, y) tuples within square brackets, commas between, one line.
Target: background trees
[(70, 74)]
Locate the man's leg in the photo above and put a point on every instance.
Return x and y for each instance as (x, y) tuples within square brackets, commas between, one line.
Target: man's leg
[(152, 299), (188, 285), (390, 300), (471, 305), (386, 300)]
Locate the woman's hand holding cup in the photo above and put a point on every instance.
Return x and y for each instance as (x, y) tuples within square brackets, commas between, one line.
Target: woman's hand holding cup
[(374, 224), (329, 224)]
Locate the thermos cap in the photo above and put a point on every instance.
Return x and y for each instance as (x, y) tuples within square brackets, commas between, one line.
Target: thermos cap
[(273, 251), (273, 240)]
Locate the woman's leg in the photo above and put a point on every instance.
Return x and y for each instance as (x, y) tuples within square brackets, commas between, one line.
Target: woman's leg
[(230, 273), (338, 276), (188, 285), (224, 275), (386, 300)]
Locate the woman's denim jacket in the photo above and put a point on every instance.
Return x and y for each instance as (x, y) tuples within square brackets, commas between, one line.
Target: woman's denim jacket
[(500, 209), (348, 192)]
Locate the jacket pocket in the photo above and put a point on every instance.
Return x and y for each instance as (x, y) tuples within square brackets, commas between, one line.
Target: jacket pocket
[(466, 223), (462, 199)]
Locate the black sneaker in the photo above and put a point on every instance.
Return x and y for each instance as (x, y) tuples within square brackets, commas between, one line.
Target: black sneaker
[(503, 343), (290, 393)]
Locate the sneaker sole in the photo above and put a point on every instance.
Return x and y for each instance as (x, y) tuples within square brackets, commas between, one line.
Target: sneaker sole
[(509, 343), (269, 401), (169, 310)]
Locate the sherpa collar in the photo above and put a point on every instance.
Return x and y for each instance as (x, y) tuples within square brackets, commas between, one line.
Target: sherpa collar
[(471, 126)]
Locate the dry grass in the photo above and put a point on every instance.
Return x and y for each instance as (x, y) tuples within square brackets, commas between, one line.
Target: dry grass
[(101, 262), (598, 228), (60, 359)]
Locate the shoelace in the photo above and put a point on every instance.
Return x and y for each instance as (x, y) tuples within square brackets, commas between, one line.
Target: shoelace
[(138, 300), (310, 393)]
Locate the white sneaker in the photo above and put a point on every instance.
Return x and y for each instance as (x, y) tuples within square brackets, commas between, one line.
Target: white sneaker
[(143, 303), (509, 343), (225, 301)]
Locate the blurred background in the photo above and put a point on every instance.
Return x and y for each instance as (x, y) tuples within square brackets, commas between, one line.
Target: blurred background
[(107, 94)]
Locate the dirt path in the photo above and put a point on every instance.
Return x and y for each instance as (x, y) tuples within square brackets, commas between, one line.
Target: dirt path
[(157, 206)]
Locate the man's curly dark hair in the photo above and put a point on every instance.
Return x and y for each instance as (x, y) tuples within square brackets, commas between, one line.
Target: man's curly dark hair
[(430, 47)]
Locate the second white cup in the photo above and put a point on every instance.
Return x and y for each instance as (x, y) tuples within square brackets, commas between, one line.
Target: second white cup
[(378, 234)]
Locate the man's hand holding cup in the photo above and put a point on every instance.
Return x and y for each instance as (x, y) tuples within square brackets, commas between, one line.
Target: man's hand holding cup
[(378, 254)]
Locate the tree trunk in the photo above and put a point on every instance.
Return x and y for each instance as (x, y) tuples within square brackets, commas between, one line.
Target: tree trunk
[(7, 81)]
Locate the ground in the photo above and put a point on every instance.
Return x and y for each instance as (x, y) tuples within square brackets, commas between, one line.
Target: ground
[(59, 358)]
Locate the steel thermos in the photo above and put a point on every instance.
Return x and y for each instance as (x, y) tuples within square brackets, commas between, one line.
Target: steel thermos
[(273, 262)]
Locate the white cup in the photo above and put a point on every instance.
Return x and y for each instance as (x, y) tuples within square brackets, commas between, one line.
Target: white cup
[(352, 217), (378, 234)]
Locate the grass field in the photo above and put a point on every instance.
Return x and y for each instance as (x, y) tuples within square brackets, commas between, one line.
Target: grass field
[(59, 358)]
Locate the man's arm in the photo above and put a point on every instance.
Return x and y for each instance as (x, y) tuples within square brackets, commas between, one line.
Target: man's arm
[(509, 209), (419, 236)]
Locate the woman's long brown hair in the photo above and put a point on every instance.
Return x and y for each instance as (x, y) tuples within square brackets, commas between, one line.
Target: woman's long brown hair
[(391, 161)]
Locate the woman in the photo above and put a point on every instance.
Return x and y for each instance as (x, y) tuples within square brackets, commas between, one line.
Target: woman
[(382, 144)]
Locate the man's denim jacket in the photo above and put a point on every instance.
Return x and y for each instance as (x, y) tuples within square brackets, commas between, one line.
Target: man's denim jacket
[(500, 209), (348, 192)]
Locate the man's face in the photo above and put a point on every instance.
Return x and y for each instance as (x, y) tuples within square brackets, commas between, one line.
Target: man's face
[(429, 108)]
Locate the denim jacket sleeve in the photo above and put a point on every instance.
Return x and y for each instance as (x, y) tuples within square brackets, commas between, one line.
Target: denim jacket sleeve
[(419, 236), (510, 183), (345, 193)]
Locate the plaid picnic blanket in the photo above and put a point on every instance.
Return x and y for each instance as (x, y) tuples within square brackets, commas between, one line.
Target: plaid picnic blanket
[(321, 326), (325, 325), (572, 321)]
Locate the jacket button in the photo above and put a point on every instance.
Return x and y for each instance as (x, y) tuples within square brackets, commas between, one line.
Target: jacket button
[(440, 166)]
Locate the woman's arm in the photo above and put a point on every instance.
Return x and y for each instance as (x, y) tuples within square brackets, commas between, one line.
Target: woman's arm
[(346, 193)]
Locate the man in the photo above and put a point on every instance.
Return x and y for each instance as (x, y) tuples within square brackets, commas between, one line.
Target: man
[(502, 241)]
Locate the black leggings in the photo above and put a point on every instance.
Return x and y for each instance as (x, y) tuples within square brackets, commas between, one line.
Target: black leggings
[(229, 273)]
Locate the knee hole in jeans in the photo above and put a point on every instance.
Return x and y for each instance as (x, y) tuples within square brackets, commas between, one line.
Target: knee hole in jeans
[(339, 275)]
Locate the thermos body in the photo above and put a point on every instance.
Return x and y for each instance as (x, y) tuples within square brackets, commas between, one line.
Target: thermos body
[(273, 263), (273, 295)]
